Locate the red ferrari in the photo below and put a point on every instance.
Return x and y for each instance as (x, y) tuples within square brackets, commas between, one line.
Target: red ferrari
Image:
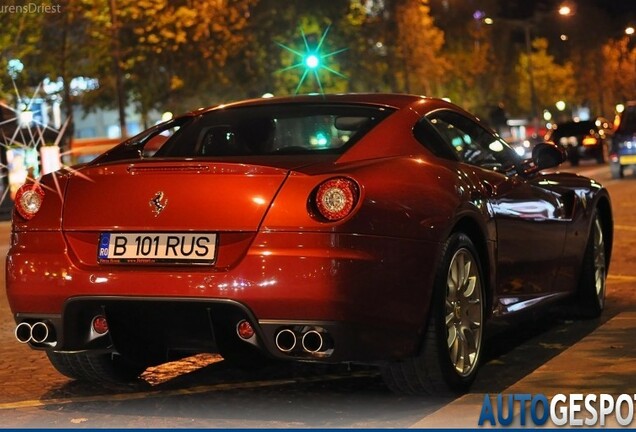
[(382, 229)]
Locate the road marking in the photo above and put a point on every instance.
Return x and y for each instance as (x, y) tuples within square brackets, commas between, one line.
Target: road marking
[(625, 227), (180, 392), (621, 278)]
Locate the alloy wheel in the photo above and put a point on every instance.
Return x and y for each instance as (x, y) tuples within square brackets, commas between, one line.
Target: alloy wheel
[(464, 312), (599, 261)]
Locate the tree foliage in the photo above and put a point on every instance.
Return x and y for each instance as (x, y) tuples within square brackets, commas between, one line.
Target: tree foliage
[(18, 39), (421, 64), (552, 81), (181, 54), (471, 75), (619, 70)]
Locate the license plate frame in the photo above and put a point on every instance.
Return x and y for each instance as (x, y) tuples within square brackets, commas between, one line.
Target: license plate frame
[(187, 248)]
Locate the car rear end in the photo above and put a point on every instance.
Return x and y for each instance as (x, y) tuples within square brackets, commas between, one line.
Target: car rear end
[(623, 149), (228, 232), (581, 139)]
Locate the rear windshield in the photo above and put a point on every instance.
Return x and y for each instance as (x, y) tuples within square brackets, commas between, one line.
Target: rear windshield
[(574, 128), (257, 131)]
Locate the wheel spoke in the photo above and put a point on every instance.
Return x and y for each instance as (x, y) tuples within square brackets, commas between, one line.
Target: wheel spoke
[(452, 281), (449, 319), (473, 313), (471, 282), (470, 345), (453, 345), (461, 353)]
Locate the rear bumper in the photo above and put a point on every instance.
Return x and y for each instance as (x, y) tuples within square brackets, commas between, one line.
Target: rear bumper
[(624, 157), (370, 293)]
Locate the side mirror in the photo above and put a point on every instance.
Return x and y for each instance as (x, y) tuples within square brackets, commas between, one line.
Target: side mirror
[(548, 155)]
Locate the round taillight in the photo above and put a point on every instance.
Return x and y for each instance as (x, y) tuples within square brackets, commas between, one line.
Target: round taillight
[(336, 198), (28, 200), (100, 325)]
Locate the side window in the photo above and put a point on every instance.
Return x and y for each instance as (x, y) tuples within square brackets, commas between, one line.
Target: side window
[(429, 138), (472, 143)]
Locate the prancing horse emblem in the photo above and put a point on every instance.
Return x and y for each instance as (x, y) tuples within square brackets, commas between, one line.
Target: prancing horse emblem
[(156, 203)]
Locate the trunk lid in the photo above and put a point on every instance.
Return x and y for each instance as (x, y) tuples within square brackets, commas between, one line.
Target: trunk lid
[(171, 196)]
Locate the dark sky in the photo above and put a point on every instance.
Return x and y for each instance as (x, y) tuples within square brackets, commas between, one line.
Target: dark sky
[(618, 7), (621, 12)]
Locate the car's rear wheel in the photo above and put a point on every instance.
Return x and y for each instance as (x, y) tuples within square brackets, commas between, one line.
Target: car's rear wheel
[(452, 348), (92, 367), (592, 287)]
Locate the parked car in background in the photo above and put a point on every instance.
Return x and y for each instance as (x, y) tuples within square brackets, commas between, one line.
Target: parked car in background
[(623, 149), (587, 139)]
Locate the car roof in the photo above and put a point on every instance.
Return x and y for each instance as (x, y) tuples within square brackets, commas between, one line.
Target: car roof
[(390, 100)]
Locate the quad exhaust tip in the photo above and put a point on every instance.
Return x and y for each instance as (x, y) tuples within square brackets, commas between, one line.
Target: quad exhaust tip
[(286, 340), (38, 332), (310, 340)]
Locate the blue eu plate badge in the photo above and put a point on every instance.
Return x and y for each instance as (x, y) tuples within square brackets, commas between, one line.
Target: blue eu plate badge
[(104, 243)]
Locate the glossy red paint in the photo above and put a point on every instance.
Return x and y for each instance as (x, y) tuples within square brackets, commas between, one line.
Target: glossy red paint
[(362, 284)]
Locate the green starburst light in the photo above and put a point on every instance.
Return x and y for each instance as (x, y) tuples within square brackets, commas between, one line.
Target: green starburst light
[(312, 60)]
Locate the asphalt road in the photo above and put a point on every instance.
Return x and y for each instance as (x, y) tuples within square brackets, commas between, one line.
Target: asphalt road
[(203, 392)]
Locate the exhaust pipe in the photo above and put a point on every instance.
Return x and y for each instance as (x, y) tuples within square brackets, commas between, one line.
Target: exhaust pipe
[(23, 332), (313, 341), (38, 332), (286, 340)]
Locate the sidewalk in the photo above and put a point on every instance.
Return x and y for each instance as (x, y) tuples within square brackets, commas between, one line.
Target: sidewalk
[(602, 362)]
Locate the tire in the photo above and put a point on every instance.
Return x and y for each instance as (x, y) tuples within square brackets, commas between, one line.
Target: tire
[(573, 156), (592, 287), (600, 156), (452, 348), (617, 170), (104, 368)]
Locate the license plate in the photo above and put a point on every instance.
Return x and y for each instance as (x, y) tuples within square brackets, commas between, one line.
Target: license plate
[(628, 160), (157, 248)]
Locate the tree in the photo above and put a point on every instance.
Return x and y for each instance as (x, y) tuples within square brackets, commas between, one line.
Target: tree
[(619, 72), (18, 38), (172, 51), (418, 53), (552, 82), (471, 79), (266, 67)]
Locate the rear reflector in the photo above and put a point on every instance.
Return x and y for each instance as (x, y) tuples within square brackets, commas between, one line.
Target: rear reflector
[(244, 329), (100, 325)]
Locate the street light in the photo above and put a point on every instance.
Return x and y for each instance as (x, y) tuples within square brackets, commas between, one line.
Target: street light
[(629, 31), (526, 25)]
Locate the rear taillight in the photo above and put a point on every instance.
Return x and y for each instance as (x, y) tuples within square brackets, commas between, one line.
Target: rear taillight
[(336, 198), (28, 200), (589, 141)]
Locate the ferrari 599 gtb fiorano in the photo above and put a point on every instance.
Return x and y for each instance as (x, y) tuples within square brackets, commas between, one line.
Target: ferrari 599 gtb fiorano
[(381, 229)]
